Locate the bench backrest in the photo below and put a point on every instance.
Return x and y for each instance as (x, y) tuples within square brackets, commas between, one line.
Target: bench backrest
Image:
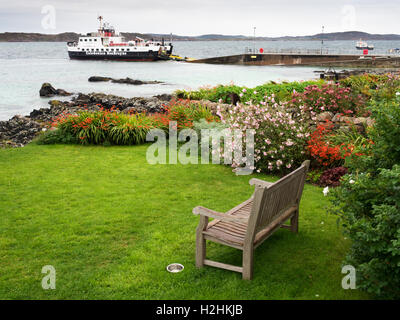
[(272, 201)]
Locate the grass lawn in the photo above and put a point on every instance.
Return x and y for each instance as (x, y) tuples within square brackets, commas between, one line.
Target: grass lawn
[(110, 223)]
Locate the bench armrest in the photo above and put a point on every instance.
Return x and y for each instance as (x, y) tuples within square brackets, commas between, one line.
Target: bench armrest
[(218, 215), (260, 183)]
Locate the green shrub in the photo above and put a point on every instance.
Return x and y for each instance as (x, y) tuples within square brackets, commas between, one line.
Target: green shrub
[(55, 137), (214, 127), (369, 208), (281, 91), (368, 203), (384, 151), (374, 86)]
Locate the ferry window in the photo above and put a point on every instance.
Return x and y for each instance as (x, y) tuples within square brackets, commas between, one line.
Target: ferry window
[(95, 40), (97, 49), (80, 40), (83, 49), (90, 39), (85, 39), (102, 49), (117, 49), (122, 49)]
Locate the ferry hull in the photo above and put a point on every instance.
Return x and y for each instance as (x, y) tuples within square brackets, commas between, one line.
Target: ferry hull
[(126, 56)]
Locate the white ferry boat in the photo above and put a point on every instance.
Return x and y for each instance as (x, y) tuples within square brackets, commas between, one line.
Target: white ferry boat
[(106, 44), (363, 45)]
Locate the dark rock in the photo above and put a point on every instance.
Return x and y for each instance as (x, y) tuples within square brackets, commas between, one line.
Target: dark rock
[(125, 81), (133, 81), (47, 90), (61, 92), (164, 97), (336, 117), (99, 79), (324, 116)]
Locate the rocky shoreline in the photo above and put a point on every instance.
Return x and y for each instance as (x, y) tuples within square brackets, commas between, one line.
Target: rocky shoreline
[(20, 130)]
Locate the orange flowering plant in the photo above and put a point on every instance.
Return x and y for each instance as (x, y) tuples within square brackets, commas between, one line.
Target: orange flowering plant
[(115, 127)]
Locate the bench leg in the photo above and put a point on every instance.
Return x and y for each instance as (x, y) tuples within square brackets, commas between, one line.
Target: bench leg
[(200, 250), (294, 222), (247, 273), (201, 242)]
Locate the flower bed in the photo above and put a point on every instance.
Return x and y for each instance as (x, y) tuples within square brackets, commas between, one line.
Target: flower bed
[(114, 127)]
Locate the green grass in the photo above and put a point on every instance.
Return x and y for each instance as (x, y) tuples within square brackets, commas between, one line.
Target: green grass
[(110, 223)]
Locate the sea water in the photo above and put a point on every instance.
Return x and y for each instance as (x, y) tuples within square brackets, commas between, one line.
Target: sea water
[(24, 66)]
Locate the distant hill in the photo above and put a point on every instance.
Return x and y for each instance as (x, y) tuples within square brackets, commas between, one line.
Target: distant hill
[(36, 37), (352, 35), (71, 36)]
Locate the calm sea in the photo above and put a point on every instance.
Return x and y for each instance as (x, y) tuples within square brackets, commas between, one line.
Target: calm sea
[(25, 66)]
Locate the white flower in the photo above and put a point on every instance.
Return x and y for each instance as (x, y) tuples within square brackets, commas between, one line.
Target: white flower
[(325, 191), (397, 93), (351, 181)]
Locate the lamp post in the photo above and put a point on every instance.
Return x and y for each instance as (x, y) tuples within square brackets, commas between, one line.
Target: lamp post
[(322, 39)]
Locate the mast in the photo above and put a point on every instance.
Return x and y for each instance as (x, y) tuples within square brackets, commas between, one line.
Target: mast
[(100, 18)]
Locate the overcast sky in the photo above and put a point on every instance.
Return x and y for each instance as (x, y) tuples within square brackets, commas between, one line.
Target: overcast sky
[(192, 17)]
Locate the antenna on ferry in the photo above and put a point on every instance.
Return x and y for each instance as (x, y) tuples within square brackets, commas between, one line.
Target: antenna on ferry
[(100, 18)]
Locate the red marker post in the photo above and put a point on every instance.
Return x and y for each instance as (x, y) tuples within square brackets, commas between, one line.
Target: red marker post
[(261, 50), (365, 52)]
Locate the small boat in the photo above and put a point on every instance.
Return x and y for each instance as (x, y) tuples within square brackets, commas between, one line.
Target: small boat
[(363, 45), (106, 44)]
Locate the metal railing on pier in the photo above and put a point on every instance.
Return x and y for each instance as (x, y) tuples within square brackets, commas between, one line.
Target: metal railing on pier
[(321, 51)]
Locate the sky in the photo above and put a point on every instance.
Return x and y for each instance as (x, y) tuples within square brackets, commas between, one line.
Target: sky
[(191, 17)]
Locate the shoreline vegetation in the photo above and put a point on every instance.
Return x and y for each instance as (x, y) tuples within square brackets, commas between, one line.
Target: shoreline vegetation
[(72, 36)]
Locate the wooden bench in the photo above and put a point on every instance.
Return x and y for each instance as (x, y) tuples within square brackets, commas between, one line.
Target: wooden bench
[(247, 225)]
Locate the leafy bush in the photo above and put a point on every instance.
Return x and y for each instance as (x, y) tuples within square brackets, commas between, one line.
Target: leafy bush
[(54, 137), (314, 175), (330, 97), (383, 149), (203, 124), (368, 202), (184, 112), (331, 177), (281, 91), (369, 208), (113, 127), (376, 87), (105, 126), (280, 137)]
